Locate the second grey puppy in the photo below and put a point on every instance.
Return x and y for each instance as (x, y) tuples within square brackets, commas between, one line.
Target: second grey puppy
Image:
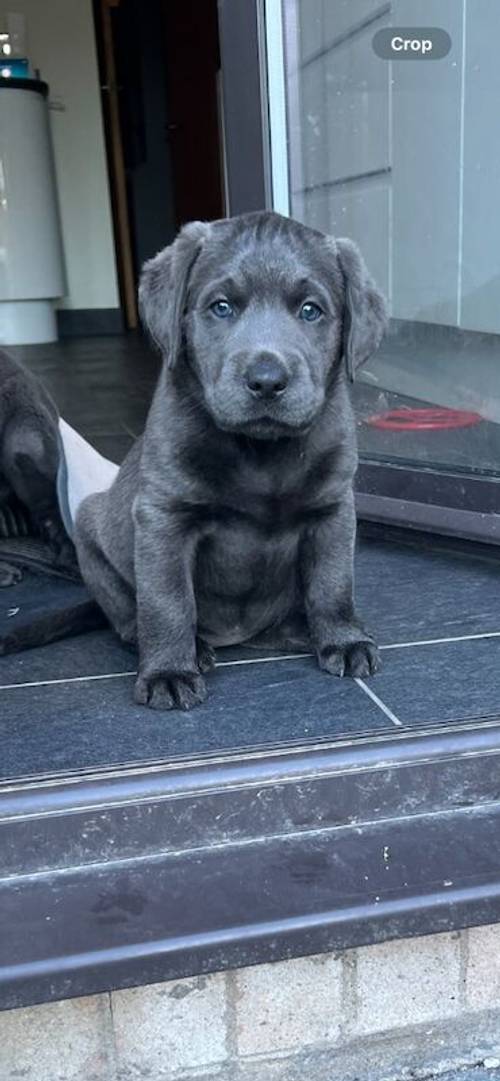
[(29, 459)]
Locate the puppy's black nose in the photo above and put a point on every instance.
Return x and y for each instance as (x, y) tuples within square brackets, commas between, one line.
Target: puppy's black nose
[(266, 376)]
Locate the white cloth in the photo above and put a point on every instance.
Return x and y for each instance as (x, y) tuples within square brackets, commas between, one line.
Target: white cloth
[(82, 471)]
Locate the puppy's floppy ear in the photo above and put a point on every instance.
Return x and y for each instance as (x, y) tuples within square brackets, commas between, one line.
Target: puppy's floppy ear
[(365, 313), (163, 288)]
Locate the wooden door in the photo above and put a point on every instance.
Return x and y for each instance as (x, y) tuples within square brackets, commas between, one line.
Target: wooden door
[(192, 69)]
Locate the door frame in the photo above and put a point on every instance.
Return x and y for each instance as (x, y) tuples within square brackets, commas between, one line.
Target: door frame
[(245, 105), (116, 166)]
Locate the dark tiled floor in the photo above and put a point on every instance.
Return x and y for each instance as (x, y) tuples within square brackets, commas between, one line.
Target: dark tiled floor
[(422, 590), (95, 723), (441, 682), (102, 386), (69, 705)]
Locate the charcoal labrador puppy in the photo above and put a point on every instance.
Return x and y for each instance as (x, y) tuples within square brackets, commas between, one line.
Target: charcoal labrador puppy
[(232, 519)]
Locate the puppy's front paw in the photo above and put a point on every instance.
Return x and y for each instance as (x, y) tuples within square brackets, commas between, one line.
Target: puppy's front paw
[(356, 659), (175, 691)]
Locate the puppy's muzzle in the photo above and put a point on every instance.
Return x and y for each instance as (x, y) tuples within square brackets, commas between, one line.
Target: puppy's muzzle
[(266, 377)]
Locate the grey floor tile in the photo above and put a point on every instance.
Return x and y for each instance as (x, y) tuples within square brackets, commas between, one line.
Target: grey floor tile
[(441, 683), (410, 593), (47, 729)]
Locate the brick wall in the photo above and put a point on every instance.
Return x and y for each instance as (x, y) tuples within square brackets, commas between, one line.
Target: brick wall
[(380, 1013)]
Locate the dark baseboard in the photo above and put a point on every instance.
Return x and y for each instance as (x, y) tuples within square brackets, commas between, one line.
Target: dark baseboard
[(82, 322)]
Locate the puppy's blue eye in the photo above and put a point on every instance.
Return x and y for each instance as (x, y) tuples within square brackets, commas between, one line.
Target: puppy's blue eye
[(221, 308), (310, 312)]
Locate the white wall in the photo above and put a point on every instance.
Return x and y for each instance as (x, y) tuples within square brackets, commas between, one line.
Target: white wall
[(61, 43)]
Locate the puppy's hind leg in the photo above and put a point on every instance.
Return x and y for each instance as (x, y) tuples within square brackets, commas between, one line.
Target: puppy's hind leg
[(113, 593)]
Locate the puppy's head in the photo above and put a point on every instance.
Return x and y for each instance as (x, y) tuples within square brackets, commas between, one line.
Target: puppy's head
[(265, 311)]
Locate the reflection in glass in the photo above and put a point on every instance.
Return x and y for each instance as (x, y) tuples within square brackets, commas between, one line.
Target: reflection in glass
[(401, 156)]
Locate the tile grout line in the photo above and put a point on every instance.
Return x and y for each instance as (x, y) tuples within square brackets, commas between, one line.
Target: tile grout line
[(65, 679), (443, 641), (263, 660), (378, 702), (251, 660), (122, 675)]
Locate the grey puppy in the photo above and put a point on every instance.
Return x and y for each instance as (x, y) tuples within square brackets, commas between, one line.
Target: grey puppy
[(29, 459), (232, 519)]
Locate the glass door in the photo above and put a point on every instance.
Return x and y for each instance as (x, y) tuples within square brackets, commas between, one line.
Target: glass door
[(384, 127)]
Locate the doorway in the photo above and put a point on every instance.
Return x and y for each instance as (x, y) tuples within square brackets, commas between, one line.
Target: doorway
[(160, 82)]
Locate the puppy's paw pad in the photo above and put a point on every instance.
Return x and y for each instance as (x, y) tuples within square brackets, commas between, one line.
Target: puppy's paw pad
[(170, 691), (205, 656), (356, 659)]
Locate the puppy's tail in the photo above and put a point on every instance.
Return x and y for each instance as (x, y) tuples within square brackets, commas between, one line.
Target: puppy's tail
[(65, 623)]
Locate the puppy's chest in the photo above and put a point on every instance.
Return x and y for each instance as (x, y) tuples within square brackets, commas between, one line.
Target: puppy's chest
[(253, 525), (240, 555), (266, 503), (247, 570), (253, 534)]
